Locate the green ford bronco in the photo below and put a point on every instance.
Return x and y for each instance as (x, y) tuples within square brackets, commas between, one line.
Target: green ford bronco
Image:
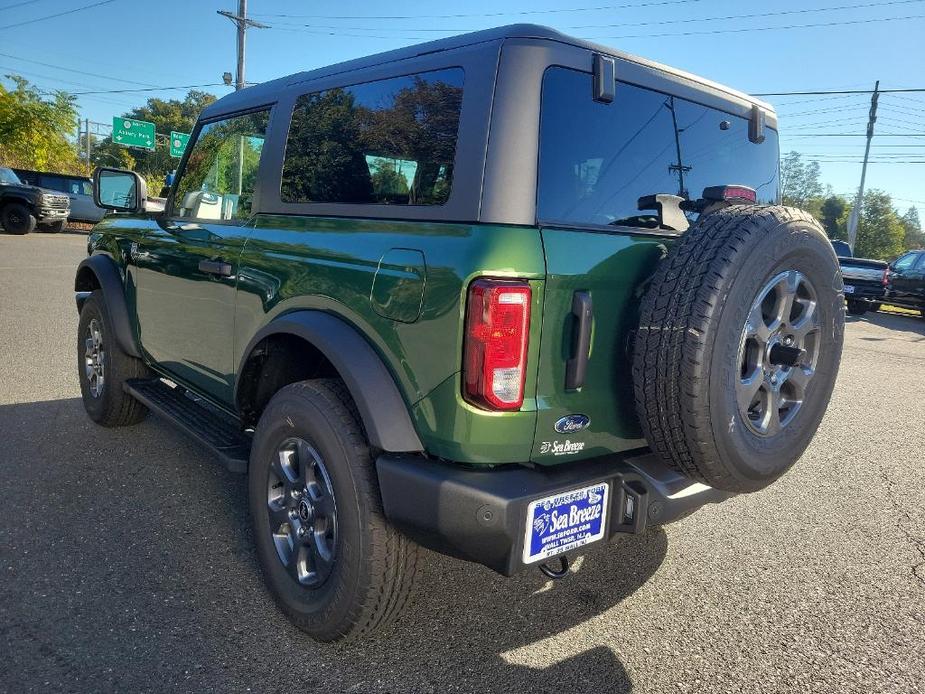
[(503, 295)]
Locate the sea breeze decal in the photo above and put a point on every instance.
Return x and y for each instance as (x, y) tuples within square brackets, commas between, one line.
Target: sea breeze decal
[(561, 447), (565, 521), (572, 423)]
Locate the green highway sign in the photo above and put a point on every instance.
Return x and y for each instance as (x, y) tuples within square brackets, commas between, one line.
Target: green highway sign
[(178, 143), (133, 133)]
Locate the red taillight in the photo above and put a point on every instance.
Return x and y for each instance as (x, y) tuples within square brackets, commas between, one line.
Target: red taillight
[(730, 193), (886, 277), (495, 352)]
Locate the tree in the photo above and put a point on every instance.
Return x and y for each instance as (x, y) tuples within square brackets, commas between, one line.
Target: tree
[(167, 115), (880, 232), (34, 129), (800, 182), (914, 236), (831, 213)]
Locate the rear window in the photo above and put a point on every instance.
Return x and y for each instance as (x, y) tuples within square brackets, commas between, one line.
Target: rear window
[(597, 160), (389, 142)]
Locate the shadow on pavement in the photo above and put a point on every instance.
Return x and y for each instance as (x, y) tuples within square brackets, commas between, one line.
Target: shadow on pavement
[(127, 564)]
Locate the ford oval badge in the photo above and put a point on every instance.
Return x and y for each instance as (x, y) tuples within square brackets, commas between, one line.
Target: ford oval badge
[(572, 423)]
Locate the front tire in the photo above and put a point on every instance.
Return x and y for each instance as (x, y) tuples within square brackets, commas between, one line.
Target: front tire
[(17, 219), (104, 368), (333, 563)]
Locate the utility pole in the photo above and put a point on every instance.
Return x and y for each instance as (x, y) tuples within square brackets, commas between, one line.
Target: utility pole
[(87, 139), (678, 168), (242, 23), (855, 216)]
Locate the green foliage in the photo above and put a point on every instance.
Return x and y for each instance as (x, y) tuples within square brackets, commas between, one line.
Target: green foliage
[(880, 232), (800, 182), (34, 129), (912, 226), (167, 115), (832, 215)]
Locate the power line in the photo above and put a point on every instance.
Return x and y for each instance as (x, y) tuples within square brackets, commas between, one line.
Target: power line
[(843, 91), (150, 89), (70, 69), (710, 32), (520, 13), (19, 4), (659, 22), (58, 14), (802, 135)]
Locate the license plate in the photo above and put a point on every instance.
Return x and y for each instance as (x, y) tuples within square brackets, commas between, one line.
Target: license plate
[(565, 521), (849, 289)]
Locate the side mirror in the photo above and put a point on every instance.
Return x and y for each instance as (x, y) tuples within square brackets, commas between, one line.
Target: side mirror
[(119, 190)]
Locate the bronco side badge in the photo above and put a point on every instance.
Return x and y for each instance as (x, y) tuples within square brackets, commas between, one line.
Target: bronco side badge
[(571, 423)]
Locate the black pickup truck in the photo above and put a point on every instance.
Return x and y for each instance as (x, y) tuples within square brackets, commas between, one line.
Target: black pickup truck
[(865, 280), (23, 206)]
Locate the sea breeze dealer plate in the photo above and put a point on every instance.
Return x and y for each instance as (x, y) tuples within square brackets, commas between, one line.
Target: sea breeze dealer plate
[(565, 521)]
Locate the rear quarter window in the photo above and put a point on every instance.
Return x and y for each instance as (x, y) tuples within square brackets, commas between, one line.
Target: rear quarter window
[(389, 142), (597, 159)]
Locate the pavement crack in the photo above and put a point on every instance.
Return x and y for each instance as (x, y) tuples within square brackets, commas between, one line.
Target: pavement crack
[(918, 569)]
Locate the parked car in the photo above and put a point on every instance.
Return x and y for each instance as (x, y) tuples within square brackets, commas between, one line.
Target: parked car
[(23, 207), (78, 188), (457, 295), (865, 280), (906, 281)]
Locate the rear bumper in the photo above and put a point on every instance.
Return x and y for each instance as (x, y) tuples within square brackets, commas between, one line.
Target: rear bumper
[(864, 290), (480, 515)]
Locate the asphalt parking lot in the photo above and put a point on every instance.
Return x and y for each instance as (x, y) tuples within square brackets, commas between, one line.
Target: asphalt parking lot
[(126, 562)]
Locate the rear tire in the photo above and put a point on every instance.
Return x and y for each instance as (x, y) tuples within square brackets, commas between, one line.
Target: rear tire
[(104, 368), (335, 567), (716, 383), (857, 308), (16, 218)]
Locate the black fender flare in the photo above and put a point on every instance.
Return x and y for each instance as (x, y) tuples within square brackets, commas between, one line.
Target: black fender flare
[(104, 269), (382, 408)]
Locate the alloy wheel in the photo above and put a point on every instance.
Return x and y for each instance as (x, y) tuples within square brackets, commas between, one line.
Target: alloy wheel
[(302, 512), (94, 359), (778, 353)]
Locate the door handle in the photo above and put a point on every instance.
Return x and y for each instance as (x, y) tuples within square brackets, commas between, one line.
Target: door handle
[(215, 267), (577, 365)]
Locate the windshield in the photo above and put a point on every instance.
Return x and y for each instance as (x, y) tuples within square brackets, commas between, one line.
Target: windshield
[(7, 176)]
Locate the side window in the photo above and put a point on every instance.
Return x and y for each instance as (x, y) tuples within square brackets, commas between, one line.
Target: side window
[(905, 262), (86, 188), (54, 183), (597, 160), (390, 142), (221, 172), (921, 264)]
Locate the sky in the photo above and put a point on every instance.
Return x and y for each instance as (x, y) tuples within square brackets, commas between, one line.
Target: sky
[(849, 44)]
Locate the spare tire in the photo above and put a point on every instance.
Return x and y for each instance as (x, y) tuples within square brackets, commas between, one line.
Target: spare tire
[(738, 346)]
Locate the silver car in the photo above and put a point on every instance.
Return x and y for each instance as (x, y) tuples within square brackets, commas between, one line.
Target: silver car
[(78, 188)]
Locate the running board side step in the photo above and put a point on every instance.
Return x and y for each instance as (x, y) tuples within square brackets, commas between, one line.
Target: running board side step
[(204, 423)]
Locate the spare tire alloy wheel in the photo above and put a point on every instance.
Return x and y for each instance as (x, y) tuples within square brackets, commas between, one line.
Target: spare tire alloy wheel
[(778, 353), (302, 512), (739, 342)]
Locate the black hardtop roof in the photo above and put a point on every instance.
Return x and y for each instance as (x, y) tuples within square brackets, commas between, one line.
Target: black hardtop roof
[(268, 92)]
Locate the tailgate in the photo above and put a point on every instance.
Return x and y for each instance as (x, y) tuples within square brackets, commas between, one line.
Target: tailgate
[(610, 268)]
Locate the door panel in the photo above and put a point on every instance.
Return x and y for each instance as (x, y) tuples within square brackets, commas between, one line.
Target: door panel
[(186, 301), (607, 270)]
